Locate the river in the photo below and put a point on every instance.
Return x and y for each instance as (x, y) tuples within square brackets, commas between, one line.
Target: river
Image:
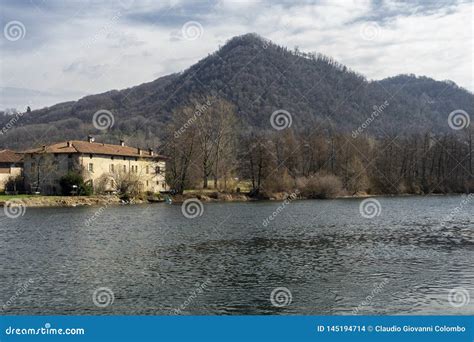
[(311, 257)]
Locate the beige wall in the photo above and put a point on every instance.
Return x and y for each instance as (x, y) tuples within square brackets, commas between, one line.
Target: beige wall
[(142, 168), (52, 168), (4, 177)]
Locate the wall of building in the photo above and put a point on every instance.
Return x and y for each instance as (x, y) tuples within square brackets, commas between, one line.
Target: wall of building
[(113, 167), (43, 171), (7, 173)]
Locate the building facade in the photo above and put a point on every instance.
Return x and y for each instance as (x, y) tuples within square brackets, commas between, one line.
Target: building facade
[(107, 168), (11, 166)]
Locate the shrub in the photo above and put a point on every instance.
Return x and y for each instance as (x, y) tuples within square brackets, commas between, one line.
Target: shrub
[(279, 182), (320, 185), (72, 179), (15, 185)]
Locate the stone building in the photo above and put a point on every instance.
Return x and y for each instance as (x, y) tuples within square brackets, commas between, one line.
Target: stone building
[(103, 166), (11, 166)]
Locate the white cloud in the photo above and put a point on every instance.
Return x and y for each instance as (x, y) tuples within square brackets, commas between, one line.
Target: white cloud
[(96, 48)]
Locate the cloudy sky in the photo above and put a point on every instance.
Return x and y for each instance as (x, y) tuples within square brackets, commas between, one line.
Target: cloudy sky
[(58, 50)]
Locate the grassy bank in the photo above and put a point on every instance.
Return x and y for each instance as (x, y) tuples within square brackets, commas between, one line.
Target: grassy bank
[(60, 201)]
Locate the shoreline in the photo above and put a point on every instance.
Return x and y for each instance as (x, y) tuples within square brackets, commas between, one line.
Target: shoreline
[(39, 201)]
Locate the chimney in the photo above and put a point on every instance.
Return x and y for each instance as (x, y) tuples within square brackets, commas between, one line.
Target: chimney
[(90, 138), (122, 142), (150, 150), (68, 144), (139, 151)]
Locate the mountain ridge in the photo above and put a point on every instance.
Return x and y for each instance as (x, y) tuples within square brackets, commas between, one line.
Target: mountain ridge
[(259, 77)]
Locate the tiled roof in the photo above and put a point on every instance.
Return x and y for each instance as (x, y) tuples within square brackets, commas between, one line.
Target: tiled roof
[(79, 146), (8, 156)]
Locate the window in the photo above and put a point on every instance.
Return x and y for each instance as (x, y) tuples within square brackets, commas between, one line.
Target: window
[(157, 169), (147, 183), (90, 156), (125, 168), (111, 167), (112, 157), (91, 167), (157, 182), (124, 158), (147, 170)]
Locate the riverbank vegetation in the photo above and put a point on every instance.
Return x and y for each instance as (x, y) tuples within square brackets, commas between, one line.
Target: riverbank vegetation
[(209, 149)]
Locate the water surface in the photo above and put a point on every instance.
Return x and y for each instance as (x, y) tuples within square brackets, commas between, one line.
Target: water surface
[(155, 260)]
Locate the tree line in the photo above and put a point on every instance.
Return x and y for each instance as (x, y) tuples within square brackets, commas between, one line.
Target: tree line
[(209, 147)]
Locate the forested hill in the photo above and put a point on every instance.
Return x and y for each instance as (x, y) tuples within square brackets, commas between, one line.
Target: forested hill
[(258, 77)]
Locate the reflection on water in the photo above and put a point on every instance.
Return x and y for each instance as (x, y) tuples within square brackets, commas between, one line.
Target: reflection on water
[(155, 260)]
